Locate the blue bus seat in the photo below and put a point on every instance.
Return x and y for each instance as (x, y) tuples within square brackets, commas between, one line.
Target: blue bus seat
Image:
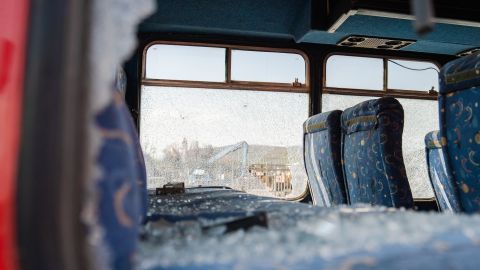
[(121, 199), (372, 154), (139, 164), (322, 154), (440, 174), (459, 102), (121, 87)]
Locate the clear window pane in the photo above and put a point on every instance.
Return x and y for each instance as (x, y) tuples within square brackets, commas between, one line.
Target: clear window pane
[(192, 63), (353, 72), (421, 117), (274, 67), (412, 75), (247, 140)]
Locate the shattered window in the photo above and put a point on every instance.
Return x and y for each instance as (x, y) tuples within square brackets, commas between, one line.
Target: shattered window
[(416, 111), (391, 76), (248, 140)]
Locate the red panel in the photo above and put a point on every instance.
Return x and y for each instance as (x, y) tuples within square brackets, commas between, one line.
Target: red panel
[(13, 23)]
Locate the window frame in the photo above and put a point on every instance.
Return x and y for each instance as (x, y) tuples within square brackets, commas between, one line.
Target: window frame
[(229, 83), (232, 85), (397, 93)]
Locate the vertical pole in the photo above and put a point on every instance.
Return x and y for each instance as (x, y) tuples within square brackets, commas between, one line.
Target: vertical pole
[(385, 75), (228, 65)]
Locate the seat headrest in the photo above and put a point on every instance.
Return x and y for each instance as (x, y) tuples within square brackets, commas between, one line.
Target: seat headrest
[(433, 140), (322, 121), (363, 116), (460, 74)]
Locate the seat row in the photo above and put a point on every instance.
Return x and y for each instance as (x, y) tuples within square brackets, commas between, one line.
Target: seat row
[(355, 156)]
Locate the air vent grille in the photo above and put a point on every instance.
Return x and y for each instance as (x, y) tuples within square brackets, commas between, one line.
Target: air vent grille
[(468, 52), (374, 43)]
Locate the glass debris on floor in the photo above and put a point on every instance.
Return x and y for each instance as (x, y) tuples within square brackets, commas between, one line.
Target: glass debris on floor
[(300, 235)]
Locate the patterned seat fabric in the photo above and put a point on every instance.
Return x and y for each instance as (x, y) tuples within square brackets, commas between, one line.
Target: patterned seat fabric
[(139, 164), (122, 202), (459, 118), (372, 153), (322, 154), (440, 174)]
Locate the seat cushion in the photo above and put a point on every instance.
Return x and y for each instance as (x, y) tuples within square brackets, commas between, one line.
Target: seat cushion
[(372, 154), (322, 153), (459, 104), (440, 174)]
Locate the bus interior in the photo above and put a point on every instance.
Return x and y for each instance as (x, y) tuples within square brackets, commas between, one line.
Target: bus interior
[(248, 134)]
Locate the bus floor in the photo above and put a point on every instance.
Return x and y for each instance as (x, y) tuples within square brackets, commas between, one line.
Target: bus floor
[(219, 228)]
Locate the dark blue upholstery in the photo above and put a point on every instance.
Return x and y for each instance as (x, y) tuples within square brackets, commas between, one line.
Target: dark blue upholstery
[(459, 117), (440, 174), (322, 154), (121, 87), (139, 163), (372, 153), (121, 187)]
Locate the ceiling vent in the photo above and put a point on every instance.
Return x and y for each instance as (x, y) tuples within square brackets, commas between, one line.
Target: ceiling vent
[(374, 43), (468, 52)]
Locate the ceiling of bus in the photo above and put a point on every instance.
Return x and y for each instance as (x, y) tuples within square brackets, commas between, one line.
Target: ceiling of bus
[(270, 18), (445, 39), (295, 19)]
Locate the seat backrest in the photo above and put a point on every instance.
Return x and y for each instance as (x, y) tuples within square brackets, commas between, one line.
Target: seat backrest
[(372, 154), (459, 104), (121, 88), (440, 174), (322, 154), (121, 184), (139, 163)]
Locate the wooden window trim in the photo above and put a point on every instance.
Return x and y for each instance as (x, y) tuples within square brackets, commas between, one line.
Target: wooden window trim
[(229, 83), (397, 93)]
